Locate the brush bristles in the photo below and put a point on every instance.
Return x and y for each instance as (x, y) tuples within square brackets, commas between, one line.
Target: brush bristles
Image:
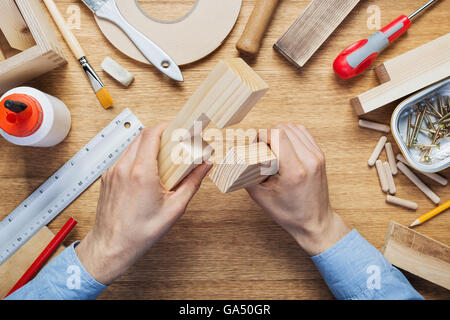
[(105, 98)]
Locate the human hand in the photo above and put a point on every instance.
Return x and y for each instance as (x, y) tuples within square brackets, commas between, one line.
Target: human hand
[(297, 197), (134, 210)]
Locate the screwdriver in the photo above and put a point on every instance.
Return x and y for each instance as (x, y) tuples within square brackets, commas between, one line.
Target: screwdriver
[(359, 56)]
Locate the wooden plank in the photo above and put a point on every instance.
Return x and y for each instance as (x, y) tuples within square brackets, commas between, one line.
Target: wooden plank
[(417, 254), (46, 55), (244, 166), (14, 27), (408, 73), (225, 97), (14, 268), (312, 28), (416, 60)]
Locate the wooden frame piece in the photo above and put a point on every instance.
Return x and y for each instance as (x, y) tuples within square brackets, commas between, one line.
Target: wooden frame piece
[(225, 97), (244, 166), (417, 254), (46, 55), (407, 73), (310, 30), (14, 26)]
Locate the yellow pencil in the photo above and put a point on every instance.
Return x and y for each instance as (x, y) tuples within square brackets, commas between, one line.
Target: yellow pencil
[(431, 214)]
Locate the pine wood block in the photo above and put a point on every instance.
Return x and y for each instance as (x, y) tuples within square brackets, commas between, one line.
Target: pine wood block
[(312, 28), (406, 74), (417, 254), (225, 97), (244, 166), (46, 55), (14, 26), (14, 268)]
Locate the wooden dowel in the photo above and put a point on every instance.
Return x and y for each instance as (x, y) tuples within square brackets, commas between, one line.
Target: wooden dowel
[(401, 202), (433, 176), (391, 158), (390, 178), (414, 179), (250, 41), (382, 176), (374, 126), (376, 152)]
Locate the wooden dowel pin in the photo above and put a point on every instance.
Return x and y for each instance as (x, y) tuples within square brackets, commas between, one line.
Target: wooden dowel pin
[(433, 176), (390, 178), (391, 158), (376, 152), (374, 126), (414, 179), (382, 176), (401, 202)]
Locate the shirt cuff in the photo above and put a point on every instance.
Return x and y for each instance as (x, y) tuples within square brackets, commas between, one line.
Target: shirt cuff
[(354, 269)]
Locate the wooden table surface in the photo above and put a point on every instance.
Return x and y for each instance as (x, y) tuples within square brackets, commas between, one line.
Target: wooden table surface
[(225, 247)]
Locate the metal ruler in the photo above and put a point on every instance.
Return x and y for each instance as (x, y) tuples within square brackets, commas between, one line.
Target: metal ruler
[(66, 184)]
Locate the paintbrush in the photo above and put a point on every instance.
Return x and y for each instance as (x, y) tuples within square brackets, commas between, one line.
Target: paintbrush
[(97, 84)]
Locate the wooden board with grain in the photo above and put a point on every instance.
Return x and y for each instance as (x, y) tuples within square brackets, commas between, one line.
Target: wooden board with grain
[(14, 268), (312, 28), (417, 254), (231, 90), (406, 74), (14, 26), (46, 55), (244, 166), (225, 246)]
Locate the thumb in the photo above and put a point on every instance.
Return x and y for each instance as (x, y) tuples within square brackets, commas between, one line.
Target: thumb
[(190, 185)]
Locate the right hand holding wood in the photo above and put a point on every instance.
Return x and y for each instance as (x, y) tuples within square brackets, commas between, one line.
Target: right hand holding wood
[(297, 197)]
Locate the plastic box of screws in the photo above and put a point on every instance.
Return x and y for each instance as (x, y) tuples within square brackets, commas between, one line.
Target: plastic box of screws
[(421, 127)]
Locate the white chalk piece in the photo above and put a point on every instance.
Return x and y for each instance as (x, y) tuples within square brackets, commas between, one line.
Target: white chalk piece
[(401, 202), (374, 126), (419, 183), (382, 176), (391, 158), (433, 176), (376, 152), (390, 178), (38, 119), (118, 72)]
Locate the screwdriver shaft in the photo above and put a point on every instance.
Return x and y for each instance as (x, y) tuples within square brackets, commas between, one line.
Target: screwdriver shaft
[(421, 9)]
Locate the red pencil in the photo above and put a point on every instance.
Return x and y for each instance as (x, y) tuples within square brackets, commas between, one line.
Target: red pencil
[(45, 255)]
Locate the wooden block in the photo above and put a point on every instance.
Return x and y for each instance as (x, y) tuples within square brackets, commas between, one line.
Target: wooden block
[(14, 268), (406, 74), (225, 97), (417, 254), (14, 27), (46, 55), (244, 166), (312, 28)]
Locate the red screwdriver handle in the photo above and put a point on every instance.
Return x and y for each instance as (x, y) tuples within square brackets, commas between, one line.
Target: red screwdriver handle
[(359, 56)]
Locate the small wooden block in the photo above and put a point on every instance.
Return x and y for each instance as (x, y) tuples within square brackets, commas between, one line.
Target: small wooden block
[(14, 268), (312, 28), (14, 27), (417, 254), (225, 97), (406, 74), (244, 166)]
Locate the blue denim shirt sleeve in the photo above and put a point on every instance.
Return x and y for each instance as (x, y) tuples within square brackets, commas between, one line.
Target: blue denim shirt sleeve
[(64, 278), (354, 269)]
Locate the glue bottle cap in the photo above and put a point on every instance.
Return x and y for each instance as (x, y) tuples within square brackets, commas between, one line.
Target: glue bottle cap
[(20, 115)]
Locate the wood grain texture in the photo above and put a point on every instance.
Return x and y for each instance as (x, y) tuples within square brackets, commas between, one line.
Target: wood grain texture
[(407, 73), (225, 246), (244, 166), (418, 254), (14, 26), (310, 30), (46, 55), (14, 268), (226, 96)]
